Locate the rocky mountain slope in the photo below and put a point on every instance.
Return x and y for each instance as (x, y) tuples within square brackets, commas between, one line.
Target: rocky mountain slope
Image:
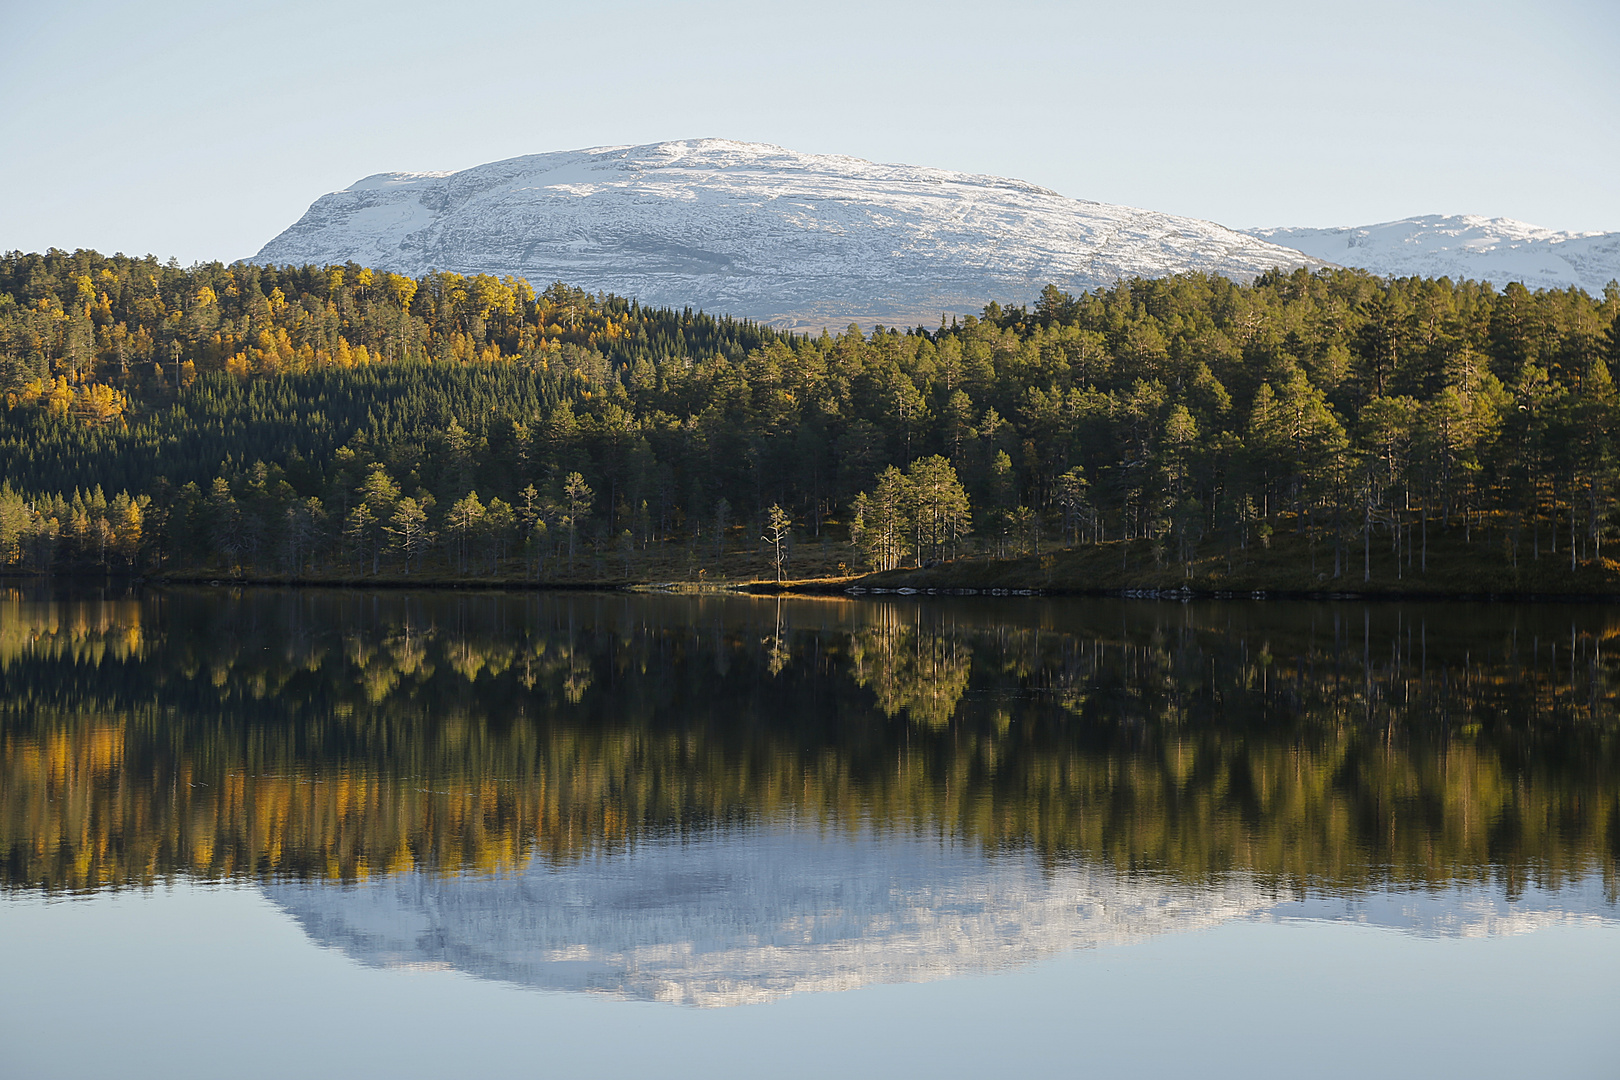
[(756, 230), (1498, 250)]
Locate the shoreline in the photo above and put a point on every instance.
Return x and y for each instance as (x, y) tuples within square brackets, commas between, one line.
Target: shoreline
[(1285, 568), (870, 585), (811, 588)]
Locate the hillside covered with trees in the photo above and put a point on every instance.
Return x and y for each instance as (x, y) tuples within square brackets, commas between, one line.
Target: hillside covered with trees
[(342, 423)]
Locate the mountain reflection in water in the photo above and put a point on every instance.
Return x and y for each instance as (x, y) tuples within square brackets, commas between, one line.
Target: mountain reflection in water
[(754, 914), (722, 799)]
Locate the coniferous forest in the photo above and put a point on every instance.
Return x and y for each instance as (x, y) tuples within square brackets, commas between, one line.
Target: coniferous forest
[(342, 423)]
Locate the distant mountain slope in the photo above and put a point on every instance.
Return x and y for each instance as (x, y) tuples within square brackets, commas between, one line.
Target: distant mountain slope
[(756, 230), (1498, 250)]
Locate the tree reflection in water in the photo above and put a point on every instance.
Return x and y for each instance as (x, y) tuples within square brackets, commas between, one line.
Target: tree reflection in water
[(336, 735)]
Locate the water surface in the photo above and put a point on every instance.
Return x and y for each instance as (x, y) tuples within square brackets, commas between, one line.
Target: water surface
[(1184, 836)]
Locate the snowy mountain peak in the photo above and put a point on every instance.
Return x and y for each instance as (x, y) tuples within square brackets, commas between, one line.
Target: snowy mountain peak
[(759, 230), (385, 180), (1498, 250)]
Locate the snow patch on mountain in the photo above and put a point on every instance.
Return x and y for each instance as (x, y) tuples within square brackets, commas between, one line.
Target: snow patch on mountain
[(756, 230), (1498, 250)]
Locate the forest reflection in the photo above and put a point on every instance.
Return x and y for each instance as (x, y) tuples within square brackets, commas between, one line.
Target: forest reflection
[(344, 735)]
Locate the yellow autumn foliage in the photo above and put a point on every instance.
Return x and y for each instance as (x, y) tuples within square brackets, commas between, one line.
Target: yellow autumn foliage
[(93, 403)]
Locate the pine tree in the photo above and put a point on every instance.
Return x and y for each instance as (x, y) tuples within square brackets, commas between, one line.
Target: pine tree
[(777, 528), (464, 522), (577, 495), (407, 528)]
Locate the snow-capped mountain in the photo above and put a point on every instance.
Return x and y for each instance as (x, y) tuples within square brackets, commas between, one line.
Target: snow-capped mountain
[(1498, 250), (755, 914), (754, 230)]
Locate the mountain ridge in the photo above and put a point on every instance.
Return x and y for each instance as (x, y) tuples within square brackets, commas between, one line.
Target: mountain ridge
[(760, 231), (1464, 246), (805, 240)]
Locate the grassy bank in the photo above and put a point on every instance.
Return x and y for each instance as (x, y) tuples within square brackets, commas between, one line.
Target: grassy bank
[(1289, 564), (687, 567)]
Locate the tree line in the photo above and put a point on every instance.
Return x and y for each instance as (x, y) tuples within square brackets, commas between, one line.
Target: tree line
[(342, 421)]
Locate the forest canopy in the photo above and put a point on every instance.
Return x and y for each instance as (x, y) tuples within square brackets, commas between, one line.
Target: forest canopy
[(343, 421)]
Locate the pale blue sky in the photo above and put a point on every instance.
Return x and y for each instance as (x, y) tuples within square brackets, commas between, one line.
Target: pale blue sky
[(200, 130)]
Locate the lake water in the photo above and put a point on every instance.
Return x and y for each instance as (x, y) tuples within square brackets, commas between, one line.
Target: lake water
[(326, 833)]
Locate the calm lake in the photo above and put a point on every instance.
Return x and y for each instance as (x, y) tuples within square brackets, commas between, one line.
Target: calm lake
[(268, 833)]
